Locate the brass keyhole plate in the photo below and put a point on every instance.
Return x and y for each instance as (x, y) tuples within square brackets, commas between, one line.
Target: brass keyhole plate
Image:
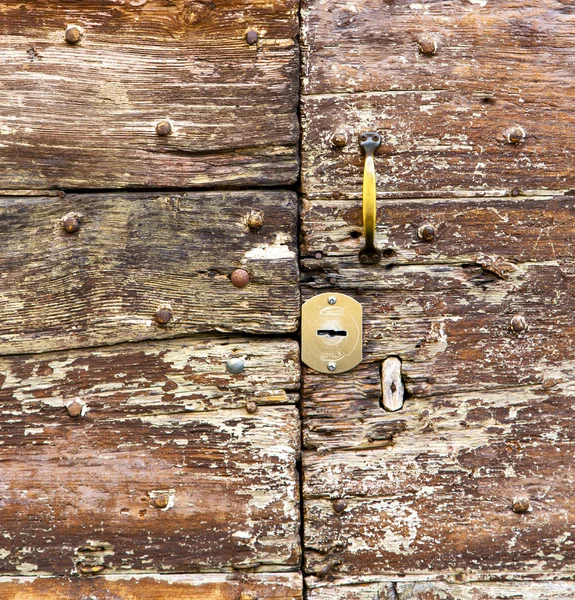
[(332, 335)]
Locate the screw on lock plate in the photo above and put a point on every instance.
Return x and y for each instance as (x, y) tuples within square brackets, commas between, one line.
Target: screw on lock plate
[(331, 339), (370, 142)]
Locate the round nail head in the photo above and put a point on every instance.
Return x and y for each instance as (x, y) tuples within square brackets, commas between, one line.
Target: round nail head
[(339, 505), (74, 34), (426, 232), (521, 505), (240, 278), (331, 366), (163, 316), (251, 407), (164, 128), (235, 366), (252, 37), (518, 324), (161, 501), (255, 220), (75, 408), (339, 139), (427, 45), (71, 224), (332, 300), (516, 135)]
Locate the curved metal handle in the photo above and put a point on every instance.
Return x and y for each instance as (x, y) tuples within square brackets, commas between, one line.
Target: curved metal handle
[(370, 142)]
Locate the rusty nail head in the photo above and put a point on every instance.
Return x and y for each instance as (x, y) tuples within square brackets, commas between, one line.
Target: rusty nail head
[(339, 139), (251, 407), (339, 505), (75, 408), (319, 255), (161, 501), (252, 37), (516, 135), (235, 366), (255, 219), (74, 34), (521, 504), (518, 324), (240, 278), (427, 45), (71, 224), (164, 128), (516, 192), (426, 232), (163, 316)]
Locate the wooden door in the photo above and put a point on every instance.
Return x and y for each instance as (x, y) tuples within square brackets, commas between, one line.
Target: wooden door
[(149, 281), (465, 493)]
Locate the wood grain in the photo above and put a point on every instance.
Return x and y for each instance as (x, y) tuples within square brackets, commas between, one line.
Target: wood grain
[(388, 590), (84, 116), (480, 316), (446, 308), (278, 586), (165, 377), (433, 488), (445, 118), (136, 253), (131, 485)]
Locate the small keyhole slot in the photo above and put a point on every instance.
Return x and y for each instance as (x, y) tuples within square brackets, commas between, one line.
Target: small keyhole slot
[(332, 333)]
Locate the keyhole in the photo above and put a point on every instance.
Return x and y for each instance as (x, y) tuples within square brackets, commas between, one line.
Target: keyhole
[(332, 333)]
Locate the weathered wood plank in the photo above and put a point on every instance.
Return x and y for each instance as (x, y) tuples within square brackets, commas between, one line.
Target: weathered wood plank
[(479, 312), (134, 254), (446, 116), (388, 590), (523, 229), (131, 484), (281, 586), (179, 493), (443, 484), (85, 115), (484, 305), (149, 378)]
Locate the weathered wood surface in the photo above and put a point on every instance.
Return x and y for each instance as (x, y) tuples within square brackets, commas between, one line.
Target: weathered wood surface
[(129, 486), (446, 308), (84, 116), (526, 590), (136, 253), (481, 318), (280, 586), (445, 117), (150, 378), (439, 486)]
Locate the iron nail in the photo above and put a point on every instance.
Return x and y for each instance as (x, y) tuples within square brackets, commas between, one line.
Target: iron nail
[(518, 324), (516, 135), (251, 407), (426, 232), (255, 219), (70, 224), (252, 37), (235, 366), (427, 45), (163, 128), (339, 139), (75, 408), (74, 34), (240, 278), (163, 316), (161, 501), (521, 504), (339, 505)]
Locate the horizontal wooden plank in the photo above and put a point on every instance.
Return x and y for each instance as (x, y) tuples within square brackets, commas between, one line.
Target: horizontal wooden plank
[(134, 483), (437, 140), (523, 229), (171, 493), (472, 482), (513, 47), (84, 115), (135, 254), (446, 84), (148, 378), (527, 590), (281, 586)]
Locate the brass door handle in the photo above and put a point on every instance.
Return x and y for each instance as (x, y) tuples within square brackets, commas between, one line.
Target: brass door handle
[(369, 254)]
